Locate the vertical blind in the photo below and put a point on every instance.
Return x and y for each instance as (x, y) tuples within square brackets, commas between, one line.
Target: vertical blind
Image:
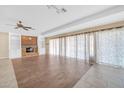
[(100, 47), (78, 46), (110, 47)]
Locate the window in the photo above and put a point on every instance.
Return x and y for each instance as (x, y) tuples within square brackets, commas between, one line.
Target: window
[(102, 47), (110, 47), (78, 46)]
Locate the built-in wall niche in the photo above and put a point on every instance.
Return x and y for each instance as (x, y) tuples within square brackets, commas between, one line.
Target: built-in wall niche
[(29, 46)]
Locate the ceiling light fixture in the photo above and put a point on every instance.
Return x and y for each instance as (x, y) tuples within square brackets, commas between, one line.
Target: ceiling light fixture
[(58, 10)]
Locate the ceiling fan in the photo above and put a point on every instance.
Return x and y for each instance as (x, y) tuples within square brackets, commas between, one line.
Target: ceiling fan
[(20, 25)]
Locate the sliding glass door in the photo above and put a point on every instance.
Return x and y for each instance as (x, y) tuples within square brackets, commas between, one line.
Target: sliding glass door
[(71, 46), (120, 47), (78, 46), (106, 47), (81, 47), (101, 47), (110, 47)]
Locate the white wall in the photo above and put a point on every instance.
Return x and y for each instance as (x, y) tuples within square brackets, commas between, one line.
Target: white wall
[(4, 45), (41, 45), (14, 45)]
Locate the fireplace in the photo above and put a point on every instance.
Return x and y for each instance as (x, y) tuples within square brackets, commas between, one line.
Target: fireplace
[(29, 46), (29, 49)]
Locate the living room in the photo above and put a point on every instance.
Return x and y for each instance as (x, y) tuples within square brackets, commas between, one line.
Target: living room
[(61, 47)]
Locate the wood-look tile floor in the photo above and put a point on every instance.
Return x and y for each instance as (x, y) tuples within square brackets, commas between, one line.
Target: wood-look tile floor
[(53, 71), (102, 76), (7, 75), (48, 71)]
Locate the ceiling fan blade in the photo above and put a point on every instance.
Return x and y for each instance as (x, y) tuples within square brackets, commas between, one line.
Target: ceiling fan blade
[(25, 28), (30, 28)]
